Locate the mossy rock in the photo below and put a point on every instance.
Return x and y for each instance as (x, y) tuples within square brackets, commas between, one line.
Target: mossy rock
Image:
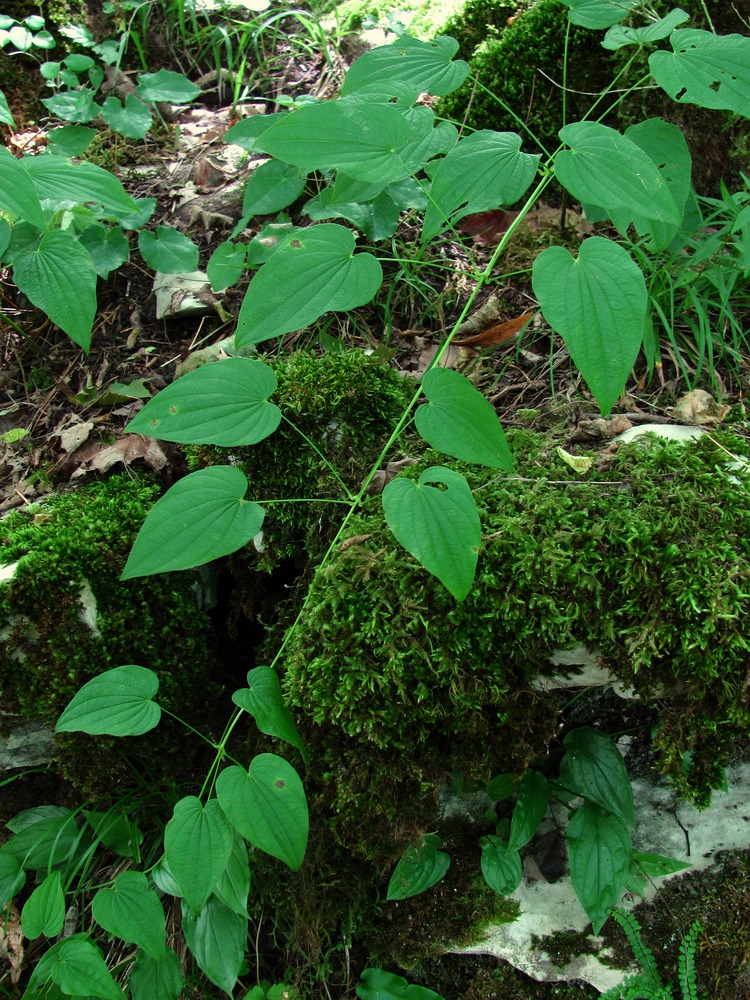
[(518, 56), (343, 407), (646, 559), (51, 643)]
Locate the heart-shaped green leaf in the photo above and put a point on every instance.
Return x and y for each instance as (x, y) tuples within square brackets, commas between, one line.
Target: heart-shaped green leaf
[(622, 34), (168, 250), (460, 422), (377, 984), (311, 273), (267, 805), (133, 119), (421, 867), (58, 276), (529, 809), (108, 248), (116, 703), (226, 266), (166, 85), (55, 179), (599, 13), (603, 167), (482, 171), (44, 910), (200, 518), (426, 66), (233, 887), (197, 844), (80, 971), (597, 303), (594, 767), (224, 403), (439, 527), (263, 699), (131, 910)]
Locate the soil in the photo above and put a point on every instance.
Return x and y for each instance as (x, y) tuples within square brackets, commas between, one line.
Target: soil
[(48, 386)]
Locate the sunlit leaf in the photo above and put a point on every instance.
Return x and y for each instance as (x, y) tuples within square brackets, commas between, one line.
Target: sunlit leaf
[(439, 527), (426, 66), (460, 422), (712, 71)]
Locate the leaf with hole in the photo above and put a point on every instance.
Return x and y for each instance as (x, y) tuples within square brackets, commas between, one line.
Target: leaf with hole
[(263, 699), (421, 867), (267, 805), (460, 422), (599, 851), (44, 910), (501, 867), (425, 66), (130, 909), (310, 273), (58, 276), (168, 250), (197, 845), (597, 303), (439, 527), (115, 703), (202, 517), (224, 403), (482, 171), (712, 71)]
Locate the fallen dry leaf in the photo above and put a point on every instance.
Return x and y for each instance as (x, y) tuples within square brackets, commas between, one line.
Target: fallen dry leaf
[(74, 435), (487, 227), (97, 458), (11, 940), (494, 336), (699, 407), (600, 429)]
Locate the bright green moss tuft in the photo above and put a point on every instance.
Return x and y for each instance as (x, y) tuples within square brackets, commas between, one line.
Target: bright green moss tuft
[(646, 559)]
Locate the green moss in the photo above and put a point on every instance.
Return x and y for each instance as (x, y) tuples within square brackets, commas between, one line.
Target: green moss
[(563, 946), (47, 650), (346, 405), (521, 65), (648, 560)]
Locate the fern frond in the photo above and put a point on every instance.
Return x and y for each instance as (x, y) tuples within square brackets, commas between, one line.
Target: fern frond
[(643, 954), (638, 987), (686, 964)]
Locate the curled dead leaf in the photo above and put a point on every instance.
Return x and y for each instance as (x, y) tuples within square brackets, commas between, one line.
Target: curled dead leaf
[(494, 336), (699, 407), (127, 450)]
